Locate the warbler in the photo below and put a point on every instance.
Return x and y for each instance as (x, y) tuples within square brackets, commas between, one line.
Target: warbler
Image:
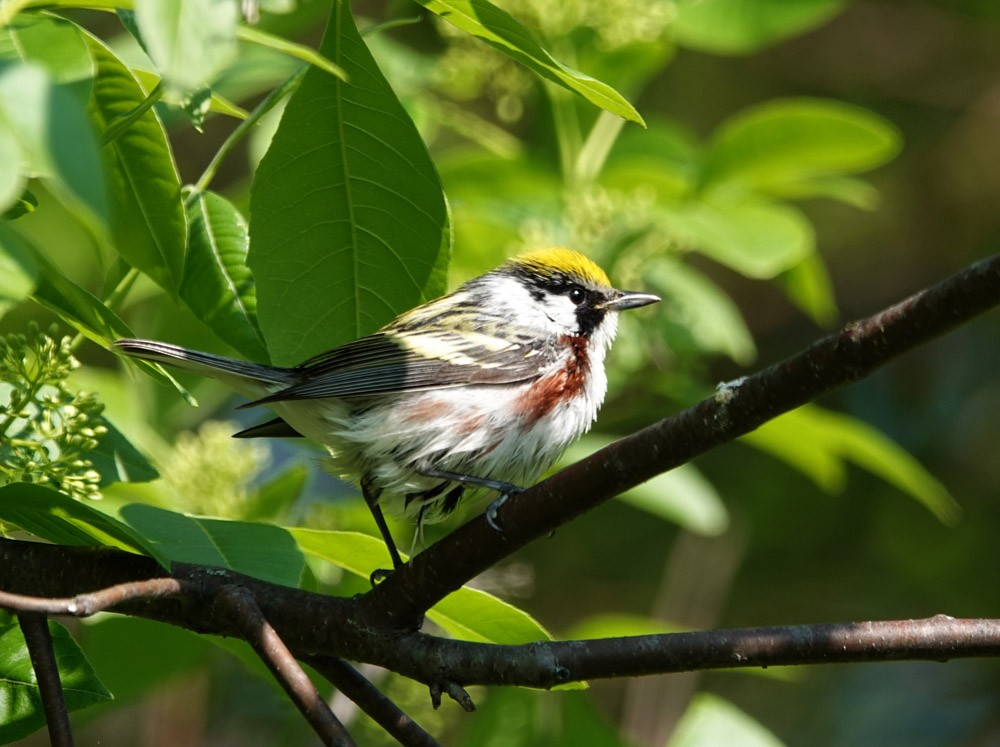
[(482, 388)]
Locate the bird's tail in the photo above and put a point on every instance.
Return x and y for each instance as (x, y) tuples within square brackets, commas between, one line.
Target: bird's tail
[(252, 379)]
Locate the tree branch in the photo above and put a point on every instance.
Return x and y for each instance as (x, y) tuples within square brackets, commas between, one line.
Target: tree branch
[(370, 699), (854, 352), (244, 611), (35, 627)]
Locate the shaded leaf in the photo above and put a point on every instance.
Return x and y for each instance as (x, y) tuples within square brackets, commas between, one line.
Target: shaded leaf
[(499, 29), (348, 223), (263, 551), (818, 442), (20, 702), (117, 460), (744, 26), (217, 285)]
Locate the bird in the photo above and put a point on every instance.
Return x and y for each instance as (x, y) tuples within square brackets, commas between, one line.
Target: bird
[(479, 390)]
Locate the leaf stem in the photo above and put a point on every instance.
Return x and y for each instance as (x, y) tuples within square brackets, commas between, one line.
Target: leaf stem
[(122, 122), (284, 89)]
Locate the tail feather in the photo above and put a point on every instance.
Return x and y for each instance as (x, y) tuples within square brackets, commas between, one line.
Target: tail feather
[(249, 378)]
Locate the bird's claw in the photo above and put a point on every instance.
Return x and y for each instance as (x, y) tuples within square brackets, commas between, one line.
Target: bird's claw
[(378, 576), (492, 510)]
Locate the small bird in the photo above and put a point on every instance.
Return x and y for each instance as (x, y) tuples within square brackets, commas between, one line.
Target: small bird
[(482, 388)]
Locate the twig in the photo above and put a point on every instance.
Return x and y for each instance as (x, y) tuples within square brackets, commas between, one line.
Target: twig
[(84, 605), (856, 351), (245, 612), (372, 701), (35, 627)]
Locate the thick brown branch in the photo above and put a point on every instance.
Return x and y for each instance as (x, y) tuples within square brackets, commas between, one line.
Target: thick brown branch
[(35, 628), (738, 408)]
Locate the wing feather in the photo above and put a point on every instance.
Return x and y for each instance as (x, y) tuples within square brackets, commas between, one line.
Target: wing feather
[(397, 359)]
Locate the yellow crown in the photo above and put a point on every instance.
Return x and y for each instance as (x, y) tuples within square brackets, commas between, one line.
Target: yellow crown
[(558, 259)]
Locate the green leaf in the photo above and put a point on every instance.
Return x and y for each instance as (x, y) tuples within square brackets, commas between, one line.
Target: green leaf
[(745, 26), (682, 496), (263, 551), (118, 460), (25, 204), (135, 656), (756, 238), (348, 223), (12, 175), (190, 41), (499, 29), (468, 614), (56, 141), (147, 214), (809, 287), (20, 702), (709, 720), (818, 442), (56, 517), (217, 285), (275, 496), (54, 43), (785, 143), (699, 311), (298, 51), (663, 158), (18, 269)]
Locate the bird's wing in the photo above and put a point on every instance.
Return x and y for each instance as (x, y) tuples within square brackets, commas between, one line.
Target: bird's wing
[(398, 359)]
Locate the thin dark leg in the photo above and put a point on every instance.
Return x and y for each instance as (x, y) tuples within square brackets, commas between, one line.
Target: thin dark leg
[(371, 498), (481, 482)]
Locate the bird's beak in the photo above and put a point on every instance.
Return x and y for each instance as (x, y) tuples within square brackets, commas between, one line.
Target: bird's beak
[(628, 300)]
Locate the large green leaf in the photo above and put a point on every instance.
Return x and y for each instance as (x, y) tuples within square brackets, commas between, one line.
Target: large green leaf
[(348, 223), (781, 144), (189, 41), (56, 517), (498, 28), (18, 269), (263, 551), (818, 442), (744, 26), (20, 702), (468, 614), (147, 214), (217, 285)]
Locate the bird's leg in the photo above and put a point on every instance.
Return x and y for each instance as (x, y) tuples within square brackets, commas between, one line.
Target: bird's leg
[(371, 494), (505, 489)]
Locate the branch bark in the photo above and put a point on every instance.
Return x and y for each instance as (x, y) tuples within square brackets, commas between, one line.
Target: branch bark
[(35, 628)]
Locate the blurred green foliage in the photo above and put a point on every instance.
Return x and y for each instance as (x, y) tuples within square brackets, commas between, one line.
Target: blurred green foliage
[(171, 170)]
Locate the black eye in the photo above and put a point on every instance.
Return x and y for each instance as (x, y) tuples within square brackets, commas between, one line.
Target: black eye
[(577, 295)]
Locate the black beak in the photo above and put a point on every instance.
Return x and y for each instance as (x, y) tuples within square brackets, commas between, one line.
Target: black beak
[(628, 300)]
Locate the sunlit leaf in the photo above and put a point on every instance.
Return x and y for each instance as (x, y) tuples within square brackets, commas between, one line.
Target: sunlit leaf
[(348, 223), (468, 614), (709, 721), (190, 41), (498, 28), (147, 215)]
